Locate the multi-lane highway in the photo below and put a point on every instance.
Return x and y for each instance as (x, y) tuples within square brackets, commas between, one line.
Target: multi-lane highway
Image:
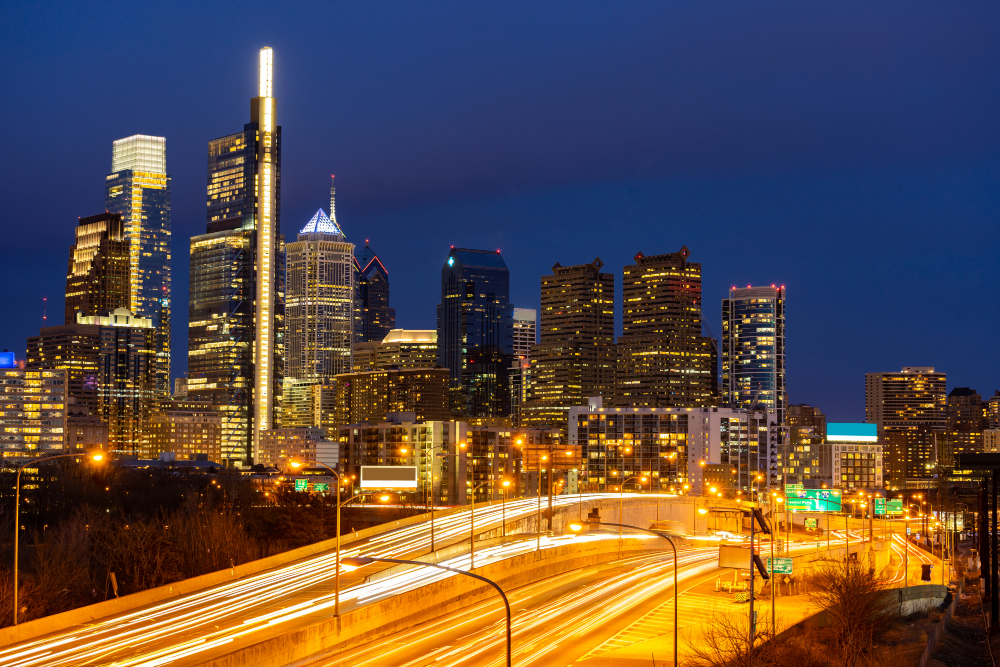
[(194, 627)]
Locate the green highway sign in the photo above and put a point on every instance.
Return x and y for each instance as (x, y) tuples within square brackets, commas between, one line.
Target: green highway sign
[(793, 487), (321, 487), (301, 484), (893, 506), (813, 500), (880, 506), (812, 523), (781, 566)]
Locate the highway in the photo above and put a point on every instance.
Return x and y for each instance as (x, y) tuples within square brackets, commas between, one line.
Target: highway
[(194, 627)]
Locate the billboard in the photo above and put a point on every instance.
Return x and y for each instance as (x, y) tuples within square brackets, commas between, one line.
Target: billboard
[(735, 557), (841, 432), (7, 360), (813, 500), (388, 477)]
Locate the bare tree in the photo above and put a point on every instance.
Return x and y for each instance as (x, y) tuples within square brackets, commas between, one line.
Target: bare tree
[(727, 641)]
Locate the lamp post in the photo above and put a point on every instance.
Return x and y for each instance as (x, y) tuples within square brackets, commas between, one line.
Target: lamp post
[(95, 455), (461, 445), (576, 527), (621, 496), (295, 463), (359, 561), (472, 523), (503, 508)]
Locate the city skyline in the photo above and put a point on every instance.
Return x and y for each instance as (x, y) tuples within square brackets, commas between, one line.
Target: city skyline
[(943, 198)]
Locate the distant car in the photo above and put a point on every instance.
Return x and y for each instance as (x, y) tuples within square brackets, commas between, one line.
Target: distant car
[(731, 537)]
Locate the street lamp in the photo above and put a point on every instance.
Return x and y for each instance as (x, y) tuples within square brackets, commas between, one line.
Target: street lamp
[(576, 527), (472, 523), (96, 455), (461, 445), (360, 561), (503, 508)]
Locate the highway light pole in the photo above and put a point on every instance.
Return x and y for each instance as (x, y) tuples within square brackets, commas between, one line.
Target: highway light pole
[(360, 561), (576, 527), (461, 445), (95, 455), (472, 523)]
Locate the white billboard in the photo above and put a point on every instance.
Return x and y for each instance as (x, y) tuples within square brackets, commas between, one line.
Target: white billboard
[(735, 557), (388, 477)]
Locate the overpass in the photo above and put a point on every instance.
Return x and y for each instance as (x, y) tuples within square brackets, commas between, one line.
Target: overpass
[(283, 605)]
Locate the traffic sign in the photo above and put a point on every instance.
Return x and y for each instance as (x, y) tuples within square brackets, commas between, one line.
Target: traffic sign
[(321, 487), (812, 523), (781, 566), (794, 487), (301, 484), (813, 500)]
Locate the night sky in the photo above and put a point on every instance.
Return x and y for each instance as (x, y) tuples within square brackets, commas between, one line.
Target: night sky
[(850, 151)]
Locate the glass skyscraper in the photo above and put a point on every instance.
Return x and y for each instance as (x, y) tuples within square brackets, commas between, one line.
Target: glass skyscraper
[(753, 349), (98, 276), (236, 303), (475, 323), (138, 189)]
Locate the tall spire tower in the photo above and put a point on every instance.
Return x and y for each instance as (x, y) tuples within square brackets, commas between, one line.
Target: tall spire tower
[(333, 210)]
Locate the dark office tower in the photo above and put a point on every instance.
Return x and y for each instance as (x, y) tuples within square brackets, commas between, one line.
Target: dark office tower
[(909, 408), (663, 360), (475, 324), (138, 189), (575, 358), (373, 318), (236, 306), (967, 418), (753, 349), (98, 276)]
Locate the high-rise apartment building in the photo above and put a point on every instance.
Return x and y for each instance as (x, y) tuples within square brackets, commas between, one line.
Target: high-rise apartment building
[(663, 359), (236, 305), (34, 412), (138, 189), (97, 279), (804, 458), (753, 349), (967, 418), (319, 301), (475, 332), (373, 318), (909, 408), (369, 397), (576, 355)]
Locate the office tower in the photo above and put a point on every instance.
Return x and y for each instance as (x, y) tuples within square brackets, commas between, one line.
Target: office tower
[(804, 458), (663, 360), (365, 357), (525, 323), (110, 363), (373, 318), (475, 332), (909, 409), (311, 403), (99, 267), (319, 301), (993, 410), (138, 189), (370, 396), (576, 355), (236, 306), (753, 349), (35, 403), (407, 348), (856, 456), (967, 417)]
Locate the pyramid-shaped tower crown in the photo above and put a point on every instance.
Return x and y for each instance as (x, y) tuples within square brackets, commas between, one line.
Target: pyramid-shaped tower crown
[(321, 224)]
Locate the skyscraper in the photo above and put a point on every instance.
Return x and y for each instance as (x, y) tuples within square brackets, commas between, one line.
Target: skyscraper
[(236, 307), (805, 457), (525, 324), (753, 349), (319, 310), (575, 359), (910, 410), (475, 332), (373, 318), (663, 360), (97, 279), (138, 189), (967, 419)]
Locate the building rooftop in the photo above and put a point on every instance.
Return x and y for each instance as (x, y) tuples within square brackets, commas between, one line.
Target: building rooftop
[(486, 259), (411, 336), (320, 223)]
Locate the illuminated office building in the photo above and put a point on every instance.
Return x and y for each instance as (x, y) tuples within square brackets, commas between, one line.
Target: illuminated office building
[(97, 279), (525, 324), (319, 301), (753, 349), (575, 358), (475, 332), (236, 306), (407, 348), (138, 189), (663, 359), (370, 396), (805, 458), (34, 412), (373, 318), (909, 408), (967, 418)]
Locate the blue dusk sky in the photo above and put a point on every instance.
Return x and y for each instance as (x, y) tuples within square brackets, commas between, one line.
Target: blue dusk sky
[(850, 151)]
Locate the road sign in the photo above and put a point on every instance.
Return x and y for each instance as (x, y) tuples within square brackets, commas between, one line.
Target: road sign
[(794, 487), (321, 487), (301, 484), (781, 565), (812, 523), (813, 500), (895, 506), (880, 506)]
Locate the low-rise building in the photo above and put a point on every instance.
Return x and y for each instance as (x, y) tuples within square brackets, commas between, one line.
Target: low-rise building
[(186, 429), (856, 456)]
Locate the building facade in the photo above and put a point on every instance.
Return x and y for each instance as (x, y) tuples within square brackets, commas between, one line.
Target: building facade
[(475, 332), (138, 190), (370, 396), (98, 277), (576, 356), (805, 457), (967, 417), (753, 349), (663, 359), (856, 456), (909, 408), (185, 430), (236, 305), (280, 445), (407, 348), (309, 403), (34, 412), (319, 301), (373, 318)]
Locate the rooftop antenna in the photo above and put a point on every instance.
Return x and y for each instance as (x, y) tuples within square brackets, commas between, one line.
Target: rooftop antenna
[(45, 314)]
